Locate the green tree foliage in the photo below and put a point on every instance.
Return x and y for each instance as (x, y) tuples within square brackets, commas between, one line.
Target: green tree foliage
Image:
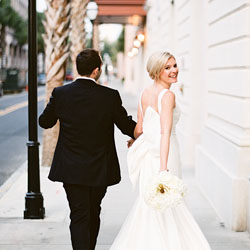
[(21, 34), (120, 42), (40, 31), (9, 17), (112, 48)]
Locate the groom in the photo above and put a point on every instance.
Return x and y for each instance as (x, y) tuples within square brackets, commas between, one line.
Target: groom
[(85, 158)]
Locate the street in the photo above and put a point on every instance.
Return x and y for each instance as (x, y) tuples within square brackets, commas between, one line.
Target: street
[(14, 131)]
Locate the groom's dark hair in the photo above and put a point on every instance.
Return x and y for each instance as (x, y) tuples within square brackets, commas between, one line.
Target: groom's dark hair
[(88, 60)]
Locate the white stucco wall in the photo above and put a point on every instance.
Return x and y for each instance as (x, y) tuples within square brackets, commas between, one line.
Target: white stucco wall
[(133, 69), (181, 28), (211, 42), (223, 157)]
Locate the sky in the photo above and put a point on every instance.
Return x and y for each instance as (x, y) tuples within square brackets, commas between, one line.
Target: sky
[(40, 5), (109, 32)]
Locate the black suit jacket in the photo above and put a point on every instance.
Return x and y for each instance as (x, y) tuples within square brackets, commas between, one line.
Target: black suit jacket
[(85, 153)]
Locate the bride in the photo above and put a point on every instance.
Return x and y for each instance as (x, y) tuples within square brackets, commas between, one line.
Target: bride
[(156, 149)]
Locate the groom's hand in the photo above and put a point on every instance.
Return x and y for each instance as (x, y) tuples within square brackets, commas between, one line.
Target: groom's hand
[(130, 142)]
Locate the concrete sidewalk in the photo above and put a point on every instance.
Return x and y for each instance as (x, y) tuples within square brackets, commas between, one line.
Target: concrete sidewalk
[(53, 233)]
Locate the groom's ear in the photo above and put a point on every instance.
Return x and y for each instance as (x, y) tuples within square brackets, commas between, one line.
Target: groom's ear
[(95, 71)]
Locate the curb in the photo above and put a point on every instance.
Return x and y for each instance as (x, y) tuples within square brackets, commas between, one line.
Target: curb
[(12, 179)]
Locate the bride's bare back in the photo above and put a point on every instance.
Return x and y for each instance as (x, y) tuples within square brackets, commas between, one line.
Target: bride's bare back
[(150, 98)]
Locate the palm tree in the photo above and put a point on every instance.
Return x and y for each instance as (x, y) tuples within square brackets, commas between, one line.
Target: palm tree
[(77, 33), (57, 21)]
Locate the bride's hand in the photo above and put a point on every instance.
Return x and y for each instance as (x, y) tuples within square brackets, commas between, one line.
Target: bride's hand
[(130, 142), (161, 170)]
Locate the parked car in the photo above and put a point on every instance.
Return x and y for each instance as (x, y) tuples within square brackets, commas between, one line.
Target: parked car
[(69, 76), (41, 79), (1, 89)]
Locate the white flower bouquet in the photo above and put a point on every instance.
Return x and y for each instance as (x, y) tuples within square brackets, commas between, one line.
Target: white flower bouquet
[(164, 191)]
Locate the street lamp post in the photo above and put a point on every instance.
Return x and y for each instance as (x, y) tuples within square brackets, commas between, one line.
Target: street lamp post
[(33, 200), (92, 10)]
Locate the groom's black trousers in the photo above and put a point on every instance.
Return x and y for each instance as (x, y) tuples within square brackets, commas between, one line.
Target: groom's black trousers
[(85, 208)]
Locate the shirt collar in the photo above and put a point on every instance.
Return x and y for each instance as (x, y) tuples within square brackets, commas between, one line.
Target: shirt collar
[(85, 78)]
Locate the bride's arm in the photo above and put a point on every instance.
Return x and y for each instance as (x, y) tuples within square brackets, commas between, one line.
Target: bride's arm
[(166, 116), (138, 128)]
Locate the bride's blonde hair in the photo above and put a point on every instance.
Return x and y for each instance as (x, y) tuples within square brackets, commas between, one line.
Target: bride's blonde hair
[(156, 63)]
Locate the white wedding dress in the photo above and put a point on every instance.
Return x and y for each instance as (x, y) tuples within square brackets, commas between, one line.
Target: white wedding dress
[(145, 228)]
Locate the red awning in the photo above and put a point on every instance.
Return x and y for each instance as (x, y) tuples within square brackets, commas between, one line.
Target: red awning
[(121, 11)]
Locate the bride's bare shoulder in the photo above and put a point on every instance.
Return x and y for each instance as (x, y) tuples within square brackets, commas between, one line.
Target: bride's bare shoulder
[(168, 98), (169, 93), (147, 91)]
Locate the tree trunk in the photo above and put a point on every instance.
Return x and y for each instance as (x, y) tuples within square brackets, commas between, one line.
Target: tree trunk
[(77, 33), (3, 45), (57, 20), (95, 36)]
